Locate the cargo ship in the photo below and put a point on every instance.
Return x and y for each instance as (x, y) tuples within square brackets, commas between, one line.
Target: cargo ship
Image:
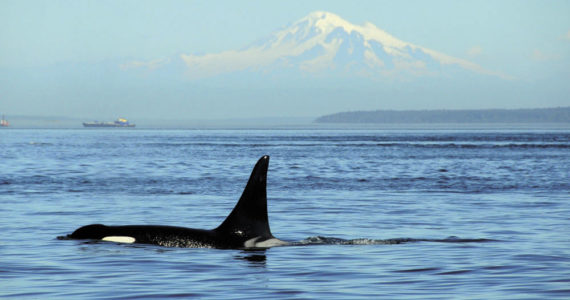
[(3, 122), (118, 123)]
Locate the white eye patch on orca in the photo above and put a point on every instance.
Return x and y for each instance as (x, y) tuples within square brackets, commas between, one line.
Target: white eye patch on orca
[(119, 239)]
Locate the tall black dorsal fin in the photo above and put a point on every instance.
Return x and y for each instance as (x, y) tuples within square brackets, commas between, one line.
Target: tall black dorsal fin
[(249, 218)]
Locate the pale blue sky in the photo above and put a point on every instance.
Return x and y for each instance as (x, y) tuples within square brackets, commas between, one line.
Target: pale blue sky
[(528, 40)]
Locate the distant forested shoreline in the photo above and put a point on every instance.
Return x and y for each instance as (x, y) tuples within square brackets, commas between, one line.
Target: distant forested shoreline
[(537, 115)]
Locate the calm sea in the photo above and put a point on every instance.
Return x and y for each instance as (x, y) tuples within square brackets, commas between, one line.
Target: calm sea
[(339, 193)]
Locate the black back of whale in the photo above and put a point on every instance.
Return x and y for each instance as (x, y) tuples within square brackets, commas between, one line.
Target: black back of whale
[(248, 220)]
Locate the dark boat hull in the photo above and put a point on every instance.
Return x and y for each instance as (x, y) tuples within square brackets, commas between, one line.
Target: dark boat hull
[(107, 125)]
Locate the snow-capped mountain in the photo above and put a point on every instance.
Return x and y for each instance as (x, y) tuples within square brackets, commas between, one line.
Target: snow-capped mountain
[(324, 42)]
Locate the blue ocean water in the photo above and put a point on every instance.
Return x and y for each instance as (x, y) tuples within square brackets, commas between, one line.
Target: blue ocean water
[(324, 187)]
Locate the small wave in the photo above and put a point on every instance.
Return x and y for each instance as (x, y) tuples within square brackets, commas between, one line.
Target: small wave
[(186, 193), (40, 143), (457, 272), (417, 270)]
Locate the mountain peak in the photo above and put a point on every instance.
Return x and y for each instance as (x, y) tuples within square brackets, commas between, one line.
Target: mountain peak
[(325, 21), (323, 17), (323, 41)]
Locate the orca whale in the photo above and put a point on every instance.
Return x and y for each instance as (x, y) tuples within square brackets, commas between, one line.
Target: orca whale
[(247, 226)]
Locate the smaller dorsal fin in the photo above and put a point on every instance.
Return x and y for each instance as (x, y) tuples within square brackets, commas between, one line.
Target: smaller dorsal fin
[(249, 217)]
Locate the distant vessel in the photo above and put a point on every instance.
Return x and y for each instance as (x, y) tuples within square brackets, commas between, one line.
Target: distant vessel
[(118, 123), (3, 122)]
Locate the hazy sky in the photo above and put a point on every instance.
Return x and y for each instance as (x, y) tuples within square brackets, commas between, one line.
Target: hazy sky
[(527, 40)]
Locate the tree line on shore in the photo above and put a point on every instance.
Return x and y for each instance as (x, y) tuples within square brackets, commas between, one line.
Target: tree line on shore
[(537, 115)]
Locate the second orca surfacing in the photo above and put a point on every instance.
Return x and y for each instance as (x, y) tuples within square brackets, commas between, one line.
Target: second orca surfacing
[(247, 226)]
